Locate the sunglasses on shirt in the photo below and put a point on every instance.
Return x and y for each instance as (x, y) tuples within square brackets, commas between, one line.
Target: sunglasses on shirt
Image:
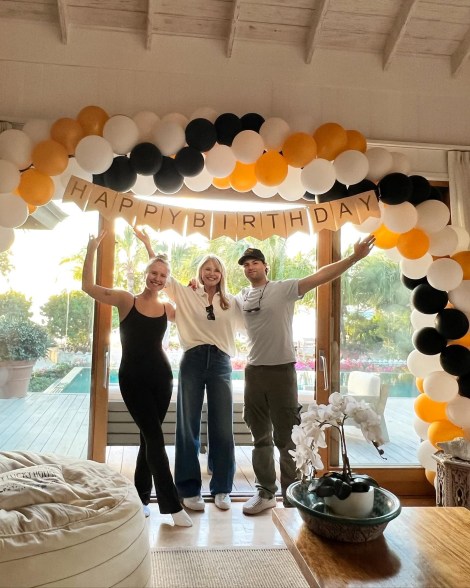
[(210, 312)]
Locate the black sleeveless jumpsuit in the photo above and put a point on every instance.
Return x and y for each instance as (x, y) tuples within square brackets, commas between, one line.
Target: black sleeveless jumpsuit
[(146, 383)]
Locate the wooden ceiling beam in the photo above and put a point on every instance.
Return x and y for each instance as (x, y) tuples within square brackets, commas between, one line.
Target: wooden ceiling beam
[(233, 27), (150, 22), (398, 30), (315, 27), (460, 55), (64, 22)]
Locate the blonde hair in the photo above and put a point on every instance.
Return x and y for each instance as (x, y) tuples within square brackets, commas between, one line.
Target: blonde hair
[(221, 286), (162, 258)]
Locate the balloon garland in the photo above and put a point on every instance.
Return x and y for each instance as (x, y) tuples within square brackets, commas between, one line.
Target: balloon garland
[(146, 154)]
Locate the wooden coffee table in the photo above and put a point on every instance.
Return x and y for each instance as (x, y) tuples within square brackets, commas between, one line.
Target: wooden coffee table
[(422, 547)]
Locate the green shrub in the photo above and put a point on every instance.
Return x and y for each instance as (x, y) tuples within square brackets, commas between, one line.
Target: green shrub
[(22, 339)]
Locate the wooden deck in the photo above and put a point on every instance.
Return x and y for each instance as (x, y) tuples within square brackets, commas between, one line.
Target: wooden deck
[(58, 423)]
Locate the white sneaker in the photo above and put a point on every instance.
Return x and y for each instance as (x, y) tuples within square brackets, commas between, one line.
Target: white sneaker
[(222, 501), (257, 504), (146, 509), (194, 502), (182, 519)]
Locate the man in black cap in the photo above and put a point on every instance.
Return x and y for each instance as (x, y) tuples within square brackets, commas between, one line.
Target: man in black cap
[(271, 398)]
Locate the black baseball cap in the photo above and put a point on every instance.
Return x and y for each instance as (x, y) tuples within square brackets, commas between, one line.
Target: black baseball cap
[(251, 253)]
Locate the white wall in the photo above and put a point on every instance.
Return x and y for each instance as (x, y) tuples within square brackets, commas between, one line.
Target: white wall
[(414, 101)]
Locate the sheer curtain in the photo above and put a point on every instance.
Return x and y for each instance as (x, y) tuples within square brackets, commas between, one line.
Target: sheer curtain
[(459, 187)]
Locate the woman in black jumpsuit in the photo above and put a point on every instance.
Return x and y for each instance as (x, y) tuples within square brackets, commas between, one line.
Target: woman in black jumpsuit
[(145, 376)]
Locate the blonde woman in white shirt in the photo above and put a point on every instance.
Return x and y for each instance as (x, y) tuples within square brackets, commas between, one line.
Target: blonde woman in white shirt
[(207, 319)]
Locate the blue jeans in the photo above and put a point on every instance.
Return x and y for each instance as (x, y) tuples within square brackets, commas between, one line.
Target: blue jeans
[(204, 367)]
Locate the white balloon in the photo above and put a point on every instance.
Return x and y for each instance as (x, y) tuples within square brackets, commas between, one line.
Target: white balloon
[(351, 167), (13, 211), (400, 218), (291, 188), (248, 146), (7, 237), (380, 163), (38, 130), (145, 121), (400, 163), (393, 254), (445, 274), (200, 182), (440, 386), (463, 239), (425, 452), (205, 112), (369, 225), (9, 176), (144, 186), (94, 154), (460, 297), (458, 411), (433, 216), (16, 146), (264, 191), (443, 242), (416, 268), (421, 427), (420, 365), (419, 320), (274, 132), (178, 118), (74, 169), (318, 176), (220, 161), (122, 133), (169, 137)]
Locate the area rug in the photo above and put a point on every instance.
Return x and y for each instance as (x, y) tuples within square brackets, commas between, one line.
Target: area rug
[(243, 567)]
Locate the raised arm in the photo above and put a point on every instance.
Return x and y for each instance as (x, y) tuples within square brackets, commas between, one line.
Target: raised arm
[(143, 236), (333, 270), (119, 298)]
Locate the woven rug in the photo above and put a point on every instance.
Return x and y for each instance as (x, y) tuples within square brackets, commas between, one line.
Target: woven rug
[(243, 567)]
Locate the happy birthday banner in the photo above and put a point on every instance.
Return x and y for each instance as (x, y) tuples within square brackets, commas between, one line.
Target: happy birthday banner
[(310, 218)]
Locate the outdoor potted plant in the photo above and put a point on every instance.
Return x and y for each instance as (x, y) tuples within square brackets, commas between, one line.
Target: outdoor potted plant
[(22, 342)]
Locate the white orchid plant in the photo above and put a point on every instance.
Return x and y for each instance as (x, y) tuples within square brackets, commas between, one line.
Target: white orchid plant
[(310, 436)]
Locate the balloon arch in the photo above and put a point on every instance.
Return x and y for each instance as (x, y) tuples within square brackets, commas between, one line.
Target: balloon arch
[(148, 155)]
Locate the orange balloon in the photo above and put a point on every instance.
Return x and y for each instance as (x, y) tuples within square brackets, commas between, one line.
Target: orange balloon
[(222, 183), (356, 141), (68, 132), (413, 244), (384, 238), (465, 340), (463, 259), (31, 208), (440, 431), (50, 158), (92, 120), (299, 149), (331, 140), (271, 168), (429, 410), (35, 187), (430, 476), (419, 384), (243, 177)]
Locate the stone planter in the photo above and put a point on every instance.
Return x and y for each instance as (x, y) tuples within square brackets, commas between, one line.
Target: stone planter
[(15, 377)]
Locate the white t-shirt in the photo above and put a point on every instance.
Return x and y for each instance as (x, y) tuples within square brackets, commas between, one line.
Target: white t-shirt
[(270, 329), (191, 318)]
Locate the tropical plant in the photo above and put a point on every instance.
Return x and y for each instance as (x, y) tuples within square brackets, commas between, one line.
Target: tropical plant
[(22, 339)]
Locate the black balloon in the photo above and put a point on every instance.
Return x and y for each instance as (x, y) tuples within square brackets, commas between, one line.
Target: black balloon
[(201, 134), (411, 283), (168, 180), (337, 191), (227, 125), (189, 162), (309, 196), (452, 323), (146, 159), (99, 180), (428, 300), (436, 194), (421, 189), (361, 187), (455, 360), (252, 121), (395, 188), (428, 341), (121, 175), (464, 385)]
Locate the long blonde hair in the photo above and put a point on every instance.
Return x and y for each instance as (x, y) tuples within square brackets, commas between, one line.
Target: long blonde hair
[(221, 286)]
